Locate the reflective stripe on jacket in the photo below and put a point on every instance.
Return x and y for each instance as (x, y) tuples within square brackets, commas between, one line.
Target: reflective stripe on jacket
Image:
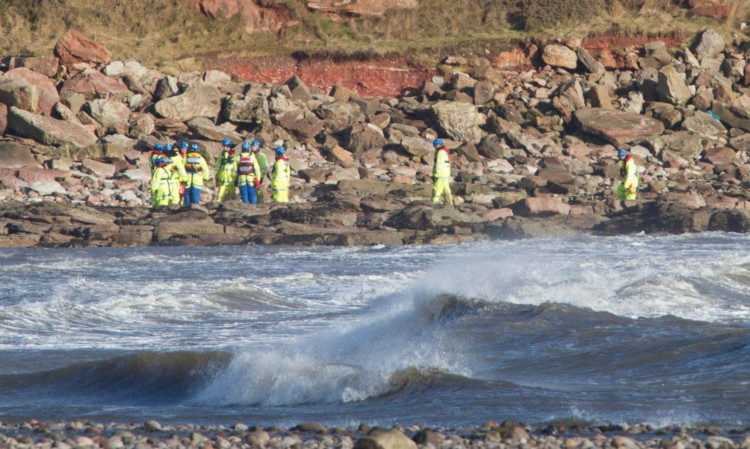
[(226, 168), (280, 175), (247, 162), (442, 168)]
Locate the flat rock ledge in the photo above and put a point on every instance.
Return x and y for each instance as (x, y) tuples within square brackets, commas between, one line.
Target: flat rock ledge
[(345, 219), (315, 435)]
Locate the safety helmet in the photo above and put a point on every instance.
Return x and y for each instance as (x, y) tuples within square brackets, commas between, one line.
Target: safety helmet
[(168, 147), (245, 146), (184, 145), (194, 146), (622, 154), (227, 142), (255, 143), (158, 147), (437, 142), (280, 150)]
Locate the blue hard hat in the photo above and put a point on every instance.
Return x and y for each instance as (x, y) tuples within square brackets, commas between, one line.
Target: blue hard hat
[(280, 150), (159, 147), (255, 143), (245, 146), (437, 142), (194, 147), (184, 144), (168, 147), (622, 154), (227, 142)]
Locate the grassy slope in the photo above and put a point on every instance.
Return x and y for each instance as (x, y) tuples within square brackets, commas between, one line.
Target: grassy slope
[(173, 33)]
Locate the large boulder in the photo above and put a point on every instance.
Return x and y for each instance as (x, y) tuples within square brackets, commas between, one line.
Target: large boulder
[(48, 130), (735, 116), (560, 56), (75, 48), (19, 93), (198, 100), (459, 121), (540, 206), (703, 124), (684, 143), (364, 136), (710, 44), (93, 84), (617, 127), (46, 65), (246, 109), (16, 155), (301, 124), (253, 16), (109, 113), (46, 88), (671, 87), (385, 439), (206, 128)]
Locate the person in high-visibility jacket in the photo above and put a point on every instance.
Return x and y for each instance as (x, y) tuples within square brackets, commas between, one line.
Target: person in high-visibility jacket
[(197, 172), (160, 182), (628, 189), (441, 173), (280, 176), (226, 172), (263, 165), (156, 155), (177, 171), (248, 175)]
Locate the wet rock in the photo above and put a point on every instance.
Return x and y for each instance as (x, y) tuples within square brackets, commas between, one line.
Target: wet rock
[(385, 439), (540, 206)]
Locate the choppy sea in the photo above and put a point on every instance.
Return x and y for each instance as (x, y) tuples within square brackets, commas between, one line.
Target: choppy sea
[(622, 330)]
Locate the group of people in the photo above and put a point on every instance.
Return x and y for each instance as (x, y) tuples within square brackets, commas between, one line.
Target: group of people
[(441, 173), (178, 175)]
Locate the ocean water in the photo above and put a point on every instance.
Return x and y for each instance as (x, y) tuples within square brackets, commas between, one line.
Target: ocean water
[(622, 330)]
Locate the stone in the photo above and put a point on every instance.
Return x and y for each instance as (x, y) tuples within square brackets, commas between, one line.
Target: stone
[(300, 124), (560, 56), (416, 146), (74, 47), (671, 87), (253, 17), (720, 156), (298, 89), (19, 93), (483, 92), (166, 87), (617, 127), (93, 84), (540, 206), (569, 97), (703, 124), (459, 121), (341, 155), (216, 78), (589, 62), (599, 96), (63, 112), (45, 188), (686, 144), (49, 131), (247, 109), (735, 116), (109, 113), (46, 89), (206, 128), (98, 169), (46, 65), (16, 155), (190, 223), (198, 100), (709, 45), (3, 118)]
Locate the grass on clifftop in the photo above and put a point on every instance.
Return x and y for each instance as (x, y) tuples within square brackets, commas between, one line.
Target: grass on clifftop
[(174, 33)]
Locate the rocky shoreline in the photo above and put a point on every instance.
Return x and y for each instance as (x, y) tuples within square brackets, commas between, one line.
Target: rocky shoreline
[(534, 152), (314, 435)]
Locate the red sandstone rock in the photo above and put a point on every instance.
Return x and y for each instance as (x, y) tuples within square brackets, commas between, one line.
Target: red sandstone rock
[(95, 84), (254, 17), (46, 89), (73, 48)]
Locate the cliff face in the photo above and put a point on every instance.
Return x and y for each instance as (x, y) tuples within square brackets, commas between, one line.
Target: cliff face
[(273, 17)]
